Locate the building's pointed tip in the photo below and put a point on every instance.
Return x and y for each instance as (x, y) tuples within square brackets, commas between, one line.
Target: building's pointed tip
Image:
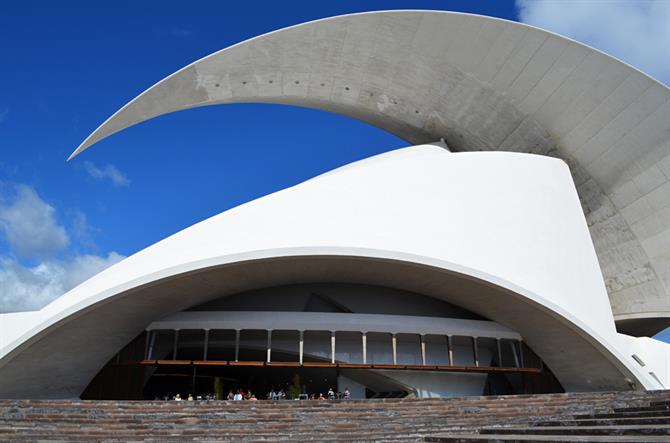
[(82, 147), (76, 152)]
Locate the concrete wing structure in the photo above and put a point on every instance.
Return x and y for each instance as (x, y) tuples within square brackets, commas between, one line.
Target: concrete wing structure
[(500, 234), (481, 84)]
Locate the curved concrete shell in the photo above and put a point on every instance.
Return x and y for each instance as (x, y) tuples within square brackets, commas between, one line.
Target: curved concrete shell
[(481, 84), (499, 234)]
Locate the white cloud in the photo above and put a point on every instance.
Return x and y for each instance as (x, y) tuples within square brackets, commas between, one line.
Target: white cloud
[(25, 288), (635, 31), (107, 172), (31, 230), (80, 228), (29, 225)]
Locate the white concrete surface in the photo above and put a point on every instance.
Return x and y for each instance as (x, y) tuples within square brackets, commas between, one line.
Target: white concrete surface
[(439, 384), (652, 355), (482, 84), (500, 234)]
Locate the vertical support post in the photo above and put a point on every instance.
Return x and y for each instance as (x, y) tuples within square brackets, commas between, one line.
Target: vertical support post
[(423, 349), (475, 351), (146, 344), (450, 347), (500, 362), (364, 337), (302, 345), (522, 365), (205, 345), (394, 344), (193, 381), (237, 345), (516, 357), (269, 344), (174, 347), (152, 342), (332, 347)]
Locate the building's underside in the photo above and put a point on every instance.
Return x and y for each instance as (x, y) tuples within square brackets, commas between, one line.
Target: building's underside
[(375, 341), (516, 279)]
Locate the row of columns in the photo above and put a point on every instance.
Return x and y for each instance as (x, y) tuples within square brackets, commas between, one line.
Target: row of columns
[(518, 358)]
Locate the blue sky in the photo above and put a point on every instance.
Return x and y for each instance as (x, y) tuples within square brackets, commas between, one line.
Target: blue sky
[(68, 65)]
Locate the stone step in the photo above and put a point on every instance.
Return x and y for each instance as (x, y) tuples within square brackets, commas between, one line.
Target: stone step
[(308, 426), (491, 438), (663, 420), (218, 415), (658, 397), (580, 430), (454, 408), (268, 406), (631, 414), (214, 437), (218, 434), (643, 408)]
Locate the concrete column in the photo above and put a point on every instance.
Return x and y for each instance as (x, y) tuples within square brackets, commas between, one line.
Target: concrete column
[(302, 345), (146, 344), (194, 368), (500, 362), (364, 337), (269, 345), (522, 365), (516, 356), (450, 347), (237, 345), (332, 346), (394, 344), (174, 347), (205, 345), (152, 342), (423, 349), (475, 351)]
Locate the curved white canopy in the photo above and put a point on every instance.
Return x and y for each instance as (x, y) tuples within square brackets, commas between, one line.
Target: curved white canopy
[(481, 84), (498, 234)]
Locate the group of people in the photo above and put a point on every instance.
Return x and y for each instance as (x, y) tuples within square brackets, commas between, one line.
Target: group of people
[(279, 394), (332, 395), (241, 394), (276, 395)]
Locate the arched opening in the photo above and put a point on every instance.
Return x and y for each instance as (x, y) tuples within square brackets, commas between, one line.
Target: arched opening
[(119, 318), (303, 340)]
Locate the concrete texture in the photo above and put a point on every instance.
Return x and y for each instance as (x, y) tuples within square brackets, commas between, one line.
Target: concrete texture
[(423, 224), (481, 84)]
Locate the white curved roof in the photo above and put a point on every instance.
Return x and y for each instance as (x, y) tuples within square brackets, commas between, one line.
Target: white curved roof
[(500, 234), (481, 84)]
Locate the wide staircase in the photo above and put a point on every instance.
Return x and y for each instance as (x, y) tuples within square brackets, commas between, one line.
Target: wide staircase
[(604, 416), (649, 423)]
